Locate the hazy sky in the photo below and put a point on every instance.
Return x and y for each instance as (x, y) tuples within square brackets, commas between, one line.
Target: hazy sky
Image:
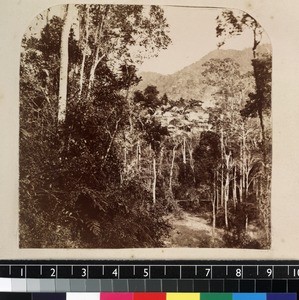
[(193, 35)]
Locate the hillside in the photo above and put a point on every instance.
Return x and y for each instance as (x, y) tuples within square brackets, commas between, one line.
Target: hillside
[(188, 82)]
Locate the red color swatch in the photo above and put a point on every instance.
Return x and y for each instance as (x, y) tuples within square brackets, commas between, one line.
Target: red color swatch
[(116, 296), (149, 296)]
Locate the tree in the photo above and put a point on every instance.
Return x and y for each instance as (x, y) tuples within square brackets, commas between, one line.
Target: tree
[(110, 32), (63, 77), (207, 156), (259, 102), (231, 23), (153, 131), (224, 76), (81, 79)]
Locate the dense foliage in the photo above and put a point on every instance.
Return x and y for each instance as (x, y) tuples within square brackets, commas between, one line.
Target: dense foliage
[(104, 164), (72, 193)]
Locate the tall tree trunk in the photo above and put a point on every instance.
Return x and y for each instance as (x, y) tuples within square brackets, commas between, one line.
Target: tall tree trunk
[(154, 179), (138, 156), (184, 150), (222, 162), (214, 220), (226, 195), (222, 186), (161, 161), (247, 180), (260, 114), (64, 59), (214, 199), (125, 160), (235, 186), (192, 163), (241, 183), (217, 194), (171, 170), (226, 188), (85, 49), (97, 57)]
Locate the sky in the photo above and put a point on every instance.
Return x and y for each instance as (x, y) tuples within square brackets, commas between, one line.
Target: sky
[(193, 35), (192, 31)]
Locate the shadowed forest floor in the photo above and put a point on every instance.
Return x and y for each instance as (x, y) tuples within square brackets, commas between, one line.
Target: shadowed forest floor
[(190, 230)]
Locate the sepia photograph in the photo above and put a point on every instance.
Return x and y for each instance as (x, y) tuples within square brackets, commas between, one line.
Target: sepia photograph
[(144, 126)]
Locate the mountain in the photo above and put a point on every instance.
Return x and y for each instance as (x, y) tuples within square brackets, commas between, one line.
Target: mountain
[(188, 82)]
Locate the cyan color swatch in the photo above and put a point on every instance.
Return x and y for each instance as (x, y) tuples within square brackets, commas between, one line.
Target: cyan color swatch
[(249, 296)]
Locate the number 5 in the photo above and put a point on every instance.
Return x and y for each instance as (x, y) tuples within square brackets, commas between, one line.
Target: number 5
[(145, 272)]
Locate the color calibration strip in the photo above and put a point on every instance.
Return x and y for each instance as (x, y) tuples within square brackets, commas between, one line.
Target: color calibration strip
[(148, 296), (60, 285)]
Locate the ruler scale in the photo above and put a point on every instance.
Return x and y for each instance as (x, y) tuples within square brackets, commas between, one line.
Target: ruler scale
[(272, 277)]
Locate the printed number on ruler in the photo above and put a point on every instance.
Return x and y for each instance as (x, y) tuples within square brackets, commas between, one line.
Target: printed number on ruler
[(84, 272), (238, 272), (204, 272), (115, 273), (53, 272), (294, 271), (146, 272), (269, 272), (265, 272)]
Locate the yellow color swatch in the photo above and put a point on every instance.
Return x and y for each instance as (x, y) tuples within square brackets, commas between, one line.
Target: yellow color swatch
[(182, 296)]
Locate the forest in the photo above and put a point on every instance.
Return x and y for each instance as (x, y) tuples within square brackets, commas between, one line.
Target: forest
[(107, 164)]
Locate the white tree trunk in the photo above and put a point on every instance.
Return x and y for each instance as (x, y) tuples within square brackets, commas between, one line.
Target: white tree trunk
[(184, 150), (64, 58), (85, 49), (138, 156), (214, 201), (171, 170), (154, 179), (192, 162), (161, 161), (235, 187), (97, 57), (222, 162), (226, 188), (226, 195)]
